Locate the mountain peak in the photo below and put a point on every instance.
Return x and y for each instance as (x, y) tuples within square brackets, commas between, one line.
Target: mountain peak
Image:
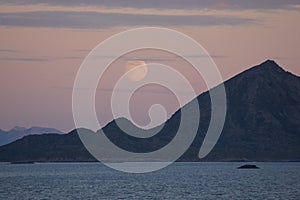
[(269, 62), (270, 65), (18, 132), (38, 129), (18, 128), (263, 117)]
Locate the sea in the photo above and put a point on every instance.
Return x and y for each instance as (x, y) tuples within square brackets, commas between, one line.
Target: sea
[(181, 180)]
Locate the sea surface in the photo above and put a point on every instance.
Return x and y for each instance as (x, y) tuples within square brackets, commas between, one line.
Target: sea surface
[(178, 181)]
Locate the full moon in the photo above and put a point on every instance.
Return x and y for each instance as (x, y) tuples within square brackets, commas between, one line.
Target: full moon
[(137, 70)]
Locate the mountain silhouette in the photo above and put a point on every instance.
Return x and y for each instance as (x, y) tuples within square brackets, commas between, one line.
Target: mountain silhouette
[(18, 132), (263, 116), (262, 124)]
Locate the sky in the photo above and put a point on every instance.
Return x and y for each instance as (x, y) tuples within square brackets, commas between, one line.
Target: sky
[(43, 44)]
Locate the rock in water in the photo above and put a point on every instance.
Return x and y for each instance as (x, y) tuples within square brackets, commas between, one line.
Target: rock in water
[(248, 167)]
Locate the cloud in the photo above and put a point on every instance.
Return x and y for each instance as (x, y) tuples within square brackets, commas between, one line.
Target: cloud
[(126, 90), (92, 14), (8, 51), (94, 20), (156, 58), (82, 50), (169, 4), (170, 58), (38, 59)]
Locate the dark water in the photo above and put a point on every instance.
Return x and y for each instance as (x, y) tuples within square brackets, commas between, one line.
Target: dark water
[(178, 181)]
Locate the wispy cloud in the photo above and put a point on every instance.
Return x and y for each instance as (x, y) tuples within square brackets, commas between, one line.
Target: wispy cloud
[(8, 51), (93, 14), (170, 4), (94, 20), (130, 91), (38, 59), (82, 50), (169, 58), (153, 59)]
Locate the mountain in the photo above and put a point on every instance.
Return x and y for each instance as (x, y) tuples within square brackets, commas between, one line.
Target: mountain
[(18, 132), (262, 121), (46, 148), (262, 124), (263, 116)]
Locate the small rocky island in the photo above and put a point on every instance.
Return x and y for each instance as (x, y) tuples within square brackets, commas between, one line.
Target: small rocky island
[(247, 166)]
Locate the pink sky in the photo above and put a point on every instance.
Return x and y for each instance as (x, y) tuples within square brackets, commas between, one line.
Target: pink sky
[(39, 59)]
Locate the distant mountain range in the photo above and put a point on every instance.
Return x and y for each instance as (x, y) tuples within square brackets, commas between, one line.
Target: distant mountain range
[(18, 132), (262, 124)]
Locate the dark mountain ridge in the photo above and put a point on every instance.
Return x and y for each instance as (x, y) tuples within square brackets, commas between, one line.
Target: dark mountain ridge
[(262, 124), (18, 132), (46, 148)]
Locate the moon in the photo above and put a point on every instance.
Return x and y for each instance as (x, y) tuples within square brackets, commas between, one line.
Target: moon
[(137, 69)]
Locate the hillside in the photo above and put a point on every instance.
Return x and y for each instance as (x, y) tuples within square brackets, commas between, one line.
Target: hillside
[(18, 132), (262, 124)]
